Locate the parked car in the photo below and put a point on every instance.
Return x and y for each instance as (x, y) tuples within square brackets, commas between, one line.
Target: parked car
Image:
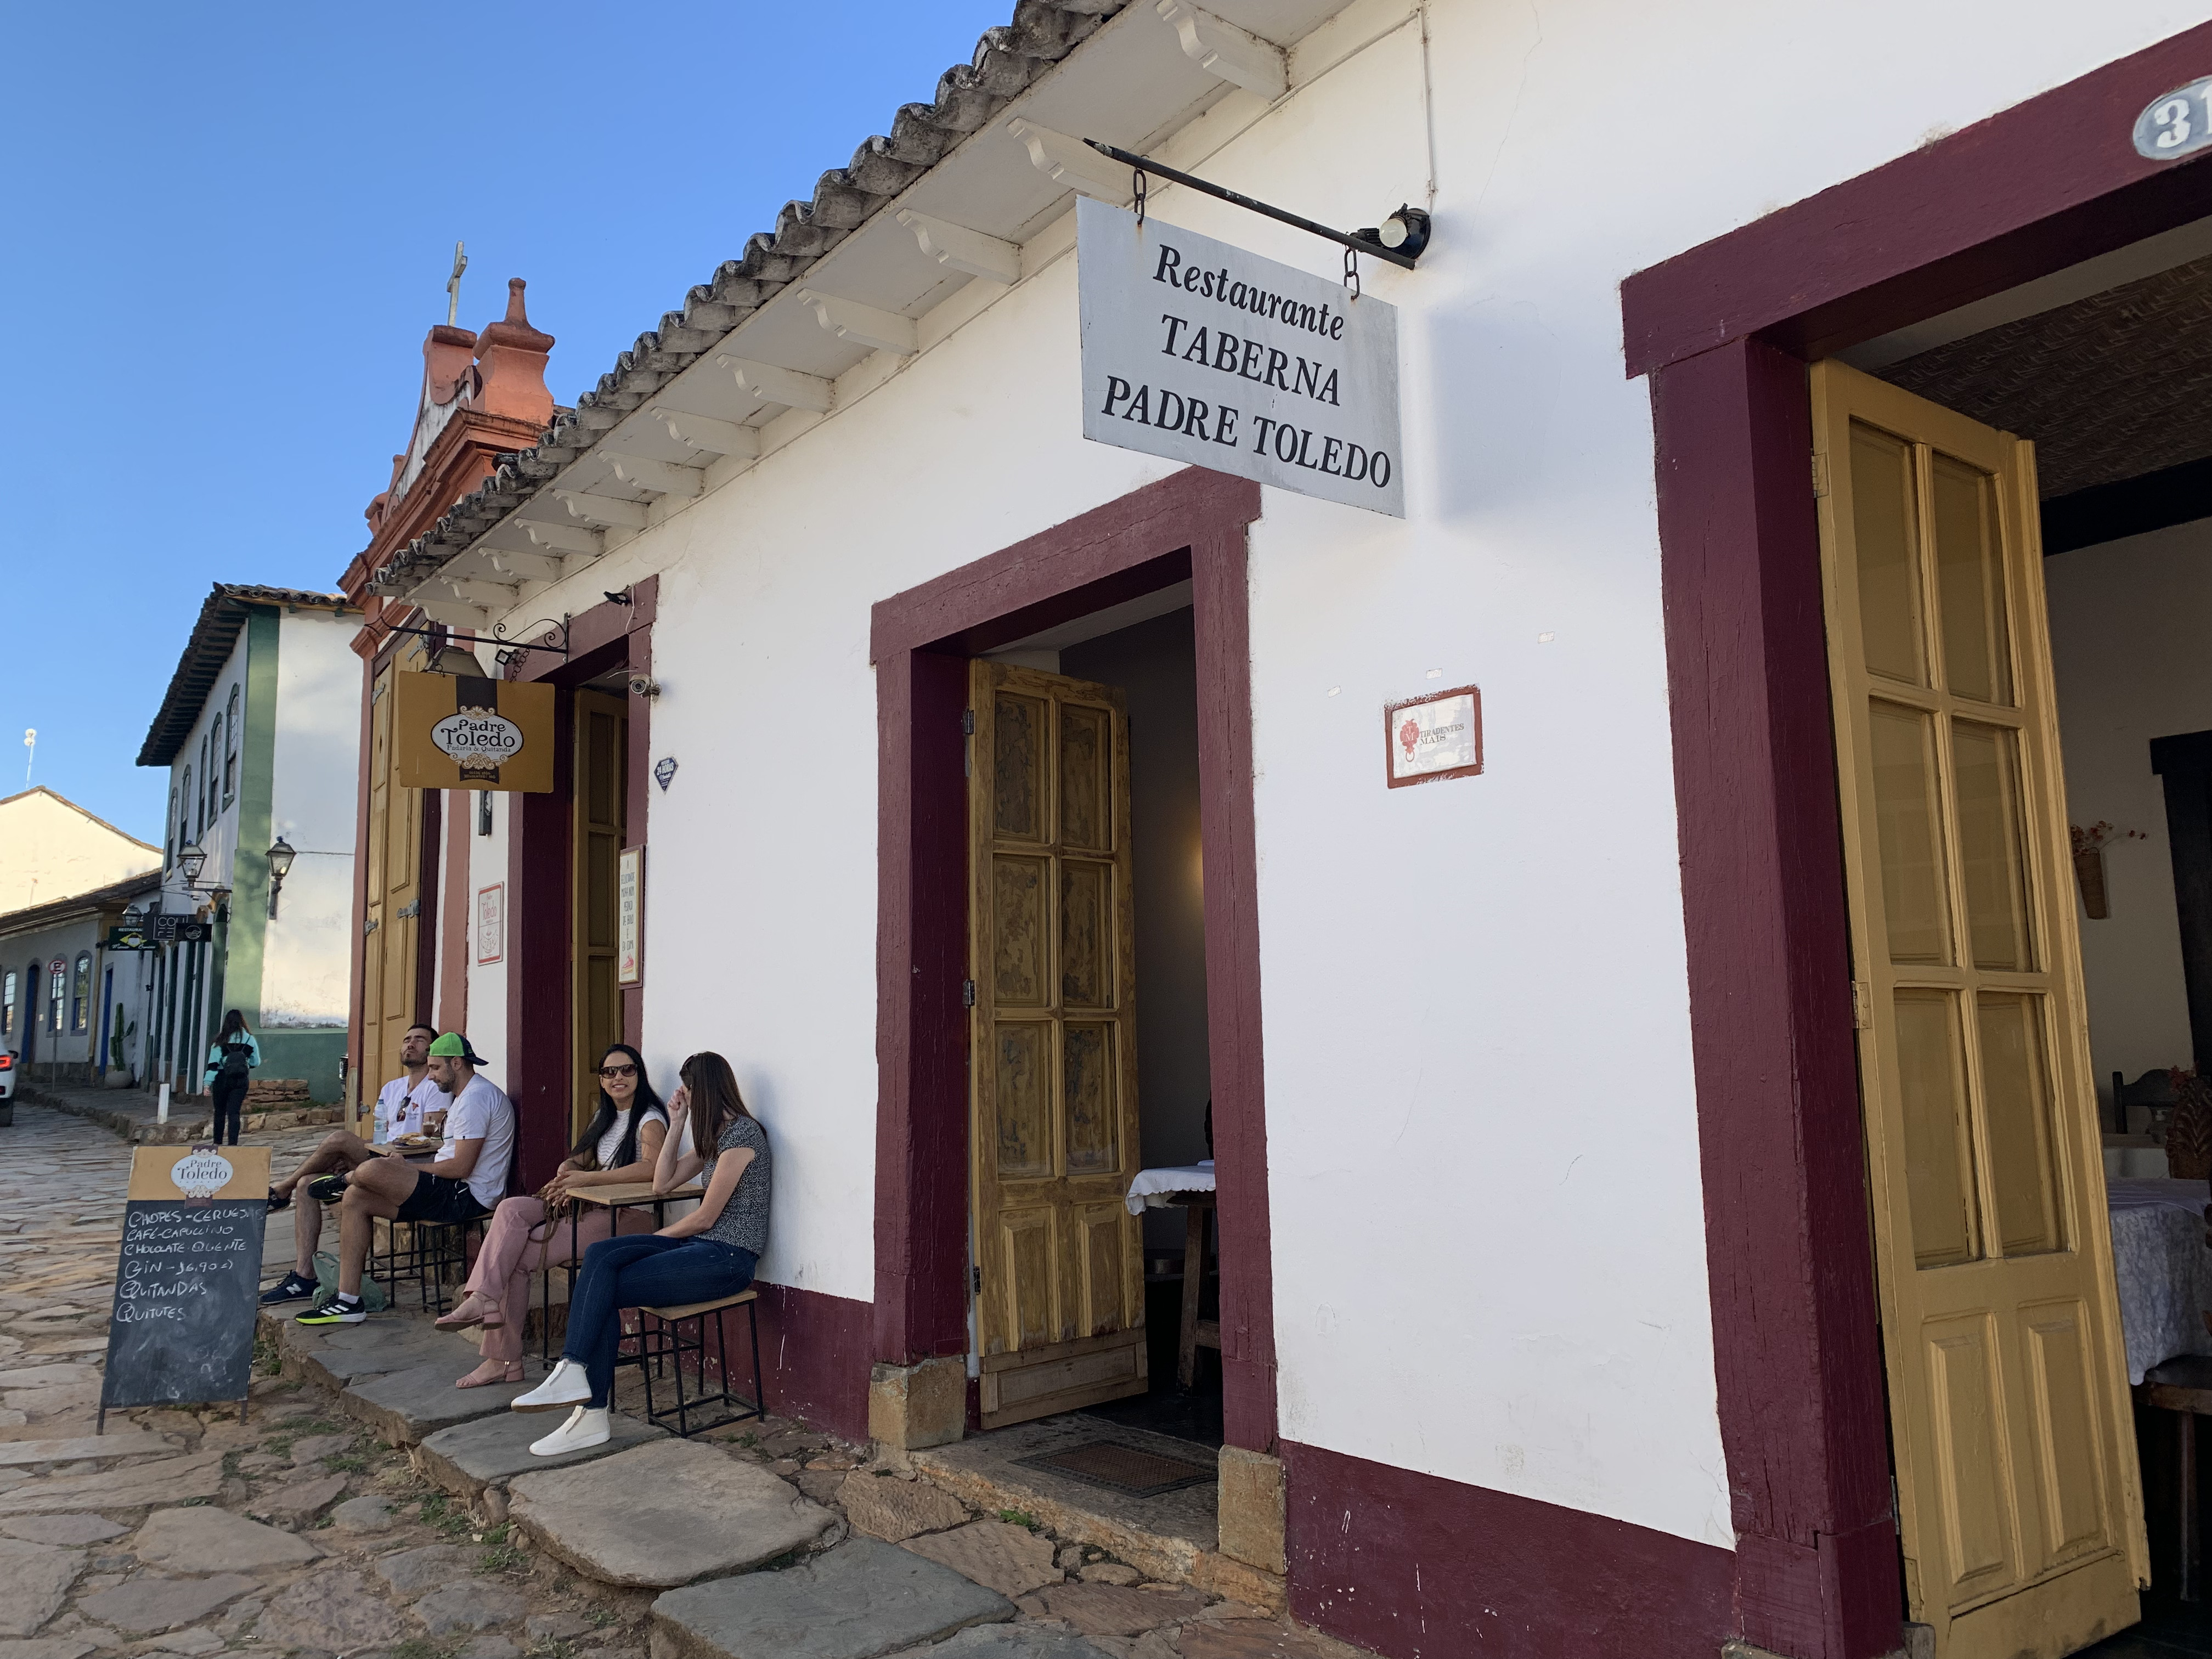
[(7, 1087)]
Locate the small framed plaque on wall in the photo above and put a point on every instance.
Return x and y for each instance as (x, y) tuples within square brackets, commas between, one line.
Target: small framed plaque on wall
[(1432, 736)]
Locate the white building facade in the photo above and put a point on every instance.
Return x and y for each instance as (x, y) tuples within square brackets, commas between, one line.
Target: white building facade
[(1549, 1322)]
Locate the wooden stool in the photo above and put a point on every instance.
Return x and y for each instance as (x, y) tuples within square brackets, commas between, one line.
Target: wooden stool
[(666, 1341), (2183, 1387)]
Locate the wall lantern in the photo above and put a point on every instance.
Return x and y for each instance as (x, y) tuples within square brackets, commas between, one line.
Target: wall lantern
[(281, 854), (190, 860)]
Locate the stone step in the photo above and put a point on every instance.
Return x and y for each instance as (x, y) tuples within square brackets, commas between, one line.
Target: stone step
[(665, 1513), (1172, 1540), (860, 1601), (402, 1407), (335, 1356), (469, 1458)]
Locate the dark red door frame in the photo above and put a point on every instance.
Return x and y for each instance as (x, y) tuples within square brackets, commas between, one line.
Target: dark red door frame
[(1191, 524), (536, 1060), (1725, 331)]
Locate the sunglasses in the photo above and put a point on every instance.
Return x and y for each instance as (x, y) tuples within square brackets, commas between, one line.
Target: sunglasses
[(617, 1071)]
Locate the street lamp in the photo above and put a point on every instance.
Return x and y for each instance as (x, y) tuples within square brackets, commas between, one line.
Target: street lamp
[(189, 859), (281, 854)]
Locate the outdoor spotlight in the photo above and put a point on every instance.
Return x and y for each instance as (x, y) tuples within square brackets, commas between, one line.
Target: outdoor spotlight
[(190, 860), (1406, 230)]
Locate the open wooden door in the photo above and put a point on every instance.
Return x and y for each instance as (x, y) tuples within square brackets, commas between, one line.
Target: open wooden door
[(601, 787), (390, 945), (1059, 1308), (2013, 1445)]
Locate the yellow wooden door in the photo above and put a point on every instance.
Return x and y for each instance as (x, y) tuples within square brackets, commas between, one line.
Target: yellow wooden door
[(394, 895), (1060, 1313), (601, 797), (2016, 1490)]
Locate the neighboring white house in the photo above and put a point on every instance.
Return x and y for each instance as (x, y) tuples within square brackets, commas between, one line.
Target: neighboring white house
[(260, 733), (51, 848)]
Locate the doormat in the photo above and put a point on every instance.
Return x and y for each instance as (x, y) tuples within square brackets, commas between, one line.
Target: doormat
[(1122, 1468)]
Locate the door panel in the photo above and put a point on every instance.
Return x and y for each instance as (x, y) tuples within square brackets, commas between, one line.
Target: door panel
[(600, 803), (392, 919), (1059, 1314), (2019, 1519)]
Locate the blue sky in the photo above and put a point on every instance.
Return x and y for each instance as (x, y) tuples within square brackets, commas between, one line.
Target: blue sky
[(229, 227)]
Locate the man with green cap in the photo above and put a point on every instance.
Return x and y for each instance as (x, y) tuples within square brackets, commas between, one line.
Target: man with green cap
[(466, 1180)]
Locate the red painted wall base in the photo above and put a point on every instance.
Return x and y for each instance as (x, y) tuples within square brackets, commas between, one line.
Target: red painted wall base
[(814, 1357), (1417, 1567)]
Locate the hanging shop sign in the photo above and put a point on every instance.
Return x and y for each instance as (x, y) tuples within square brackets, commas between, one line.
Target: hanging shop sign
[(1438, 736), (1198, 351), (131, 936), (170, 928), (464, 732)]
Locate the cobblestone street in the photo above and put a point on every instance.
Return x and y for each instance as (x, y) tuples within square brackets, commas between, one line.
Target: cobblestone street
[(348, 1522)]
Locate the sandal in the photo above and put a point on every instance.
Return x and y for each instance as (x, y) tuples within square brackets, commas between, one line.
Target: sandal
[(474, 1310), (508, 1371), (279, 1201)]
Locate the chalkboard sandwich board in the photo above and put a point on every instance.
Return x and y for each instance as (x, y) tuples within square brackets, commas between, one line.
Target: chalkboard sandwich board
[(189, 1282)]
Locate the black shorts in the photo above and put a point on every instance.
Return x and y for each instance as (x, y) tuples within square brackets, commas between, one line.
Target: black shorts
[(441, 1198)]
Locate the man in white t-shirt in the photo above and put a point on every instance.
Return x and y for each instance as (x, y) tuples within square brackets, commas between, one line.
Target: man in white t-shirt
[(401, 1106), (465, 1181), (403, 1102)]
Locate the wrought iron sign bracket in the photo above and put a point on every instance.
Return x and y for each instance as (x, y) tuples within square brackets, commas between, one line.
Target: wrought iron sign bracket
[(509, 649), (1409, 225)]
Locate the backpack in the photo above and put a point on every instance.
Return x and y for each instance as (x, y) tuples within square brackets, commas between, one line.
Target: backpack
[(237, 1058)]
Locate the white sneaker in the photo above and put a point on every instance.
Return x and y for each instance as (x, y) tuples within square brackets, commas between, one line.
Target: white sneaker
[(566, 1387), (585, 1428)]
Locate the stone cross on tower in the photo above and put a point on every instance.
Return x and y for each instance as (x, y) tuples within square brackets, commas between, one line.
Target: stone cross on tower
[(453, 283)]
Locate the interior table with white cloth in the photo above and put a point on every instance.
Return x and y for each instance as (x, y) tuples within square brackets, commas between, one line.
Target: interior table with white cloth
[(2163, 1267), (1188, 1187)]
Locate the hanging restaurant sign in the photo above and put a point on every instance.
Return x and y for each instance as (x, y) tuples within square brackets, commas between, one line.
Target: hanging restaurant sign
[(1200, 352), (466, 731)]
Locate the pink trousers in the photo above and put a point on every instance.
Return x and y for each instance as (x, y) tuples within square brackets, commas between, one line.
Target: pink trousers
[(519, 1241)]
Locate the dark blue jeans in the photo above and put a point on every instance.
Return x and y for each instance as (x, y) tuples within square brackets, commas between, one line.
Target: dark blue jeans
[(229, 1103), (643, 1270)]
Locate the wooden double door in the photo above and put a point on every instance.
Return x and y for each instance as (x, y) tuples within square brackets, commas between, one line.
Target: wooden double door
[(1059, 1307), (390, 946), (2017, 1496)]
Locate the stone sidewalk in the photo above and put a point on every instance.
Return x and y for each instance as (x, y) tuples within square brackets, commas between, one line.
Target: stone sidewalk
[(133, 1114), (368, 1508)]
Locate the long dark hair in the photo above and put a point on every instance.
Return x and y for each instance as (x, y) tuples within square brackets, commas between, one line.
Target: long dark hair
[(234, 1025), (644, 1103), (715, 1101)]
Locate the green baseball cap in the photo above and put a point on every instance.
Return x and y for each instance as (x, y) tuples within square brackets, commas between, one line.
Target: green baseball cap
[(454, 1046)]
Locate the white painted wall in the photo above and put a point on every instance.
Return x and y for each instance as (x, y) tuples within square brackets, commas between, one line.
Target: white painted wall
[(1487, 1218), (487, 866), (306, 961), (2128, 622)]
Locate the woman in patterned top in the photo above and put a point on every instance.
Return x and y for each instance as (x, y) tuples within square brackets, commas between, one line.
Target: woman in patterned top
[(700, 1257), (527, 1234)]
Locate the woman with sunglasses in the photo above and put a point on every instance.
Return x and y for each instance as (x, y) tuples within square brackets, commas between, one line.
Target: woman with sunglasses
[(526, 1236), (701, 1257)]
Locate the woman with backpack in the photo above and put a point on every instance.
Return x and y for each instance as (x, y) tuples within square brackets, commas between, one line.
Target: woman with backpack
[(230, 1063)]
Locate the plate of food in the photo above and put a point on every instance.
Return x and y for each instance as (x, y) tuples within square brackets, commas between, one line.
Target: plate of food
[(418, 1143)]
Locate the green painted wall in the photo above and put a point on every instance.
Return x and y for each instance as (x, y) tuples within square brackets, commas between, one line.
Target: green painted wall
[(312, 1053), (247, 935)]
